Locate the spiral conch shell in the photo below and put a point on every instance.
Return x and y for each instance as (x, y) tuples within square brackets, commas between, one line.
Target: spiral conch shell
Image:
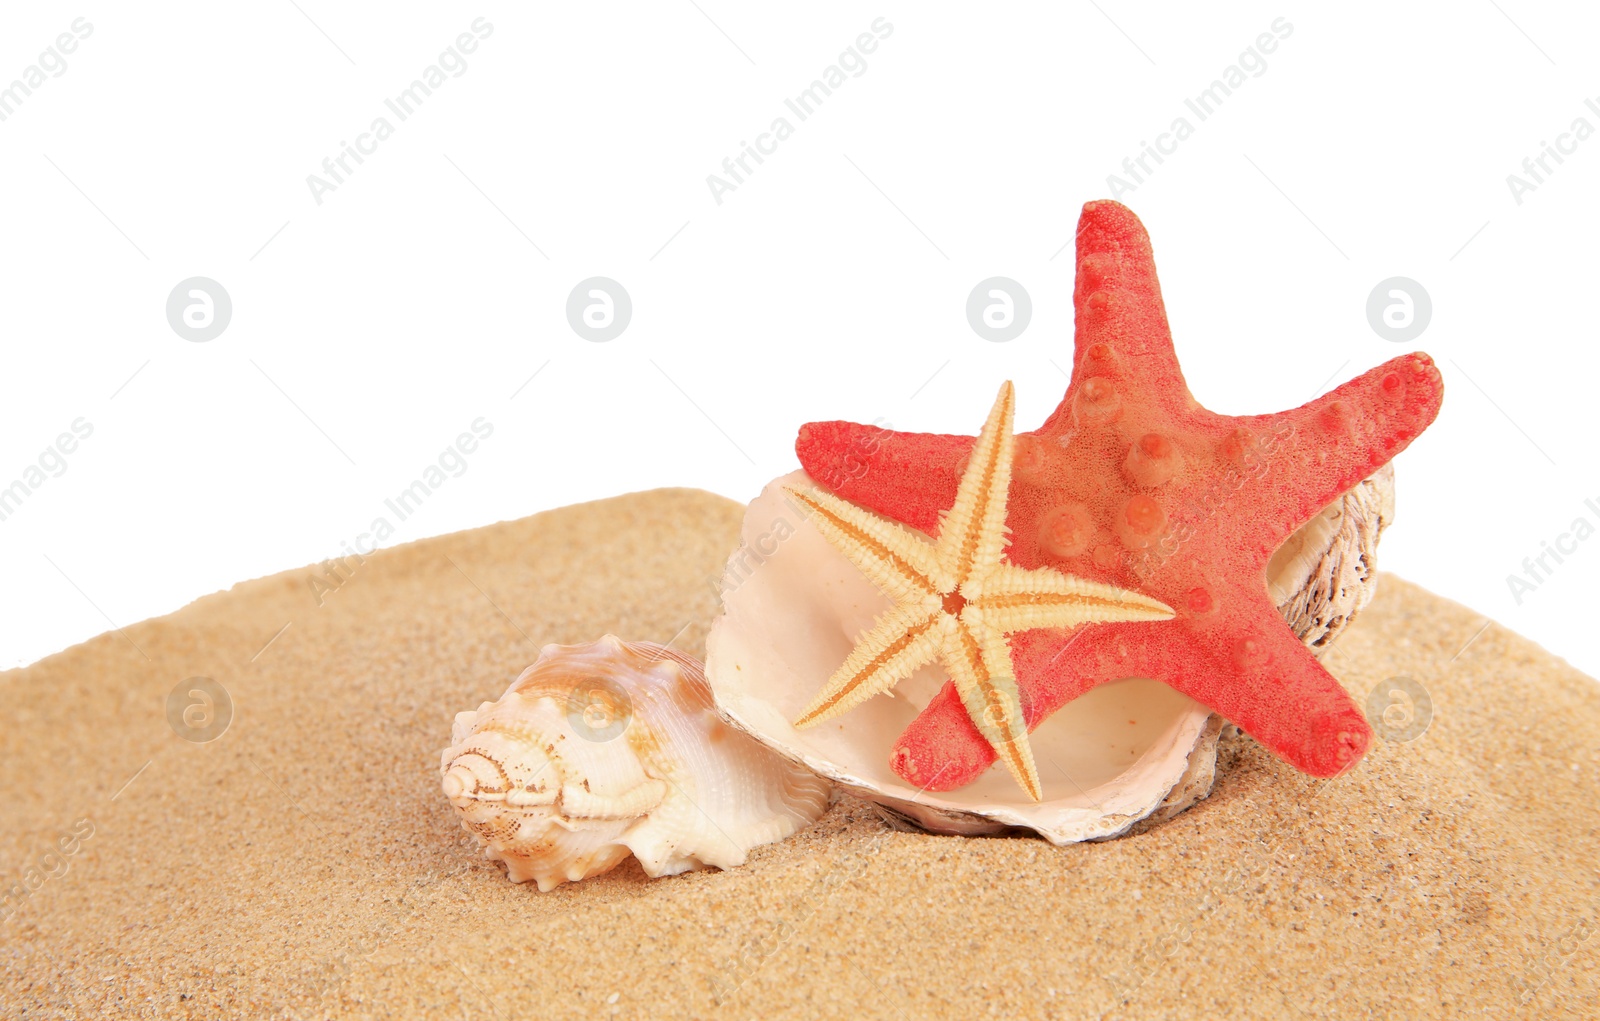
[(610, 748)]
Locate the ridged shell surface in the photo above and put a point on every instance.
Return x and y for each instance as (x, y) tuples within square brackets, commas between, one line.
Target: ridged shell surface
[(612, 748)]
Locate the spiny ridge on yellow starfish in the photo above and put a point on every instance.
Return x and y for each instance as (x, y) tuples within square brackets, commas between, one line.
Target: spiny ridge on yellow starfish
[(955, 600)]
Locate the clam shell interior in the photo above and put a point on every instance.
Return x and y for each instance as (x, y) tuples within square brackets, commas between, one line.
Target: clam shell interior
[(793, 608)]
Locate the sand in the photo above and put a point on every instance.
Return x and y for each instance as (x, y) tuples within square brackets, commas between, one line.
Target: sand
[(304, 864)]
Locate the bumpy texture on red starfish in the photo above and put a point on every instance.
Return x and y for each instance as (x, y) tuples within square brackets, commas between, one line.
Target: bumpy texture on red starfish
[(1132, 483)]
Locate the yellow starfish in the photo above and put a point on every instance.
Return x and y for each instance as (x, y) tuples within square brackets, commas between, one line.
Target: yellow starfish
[(956, 601)]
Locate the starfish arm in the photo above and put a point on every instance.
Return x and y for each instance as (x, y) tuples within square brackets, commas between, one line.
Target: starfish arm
[(972, 532), (900, 562), (1012, 598), (910, 477), (902, 640), (1297, 462), (1121, 321), (979, 662), (1257, 675), (941, 750)]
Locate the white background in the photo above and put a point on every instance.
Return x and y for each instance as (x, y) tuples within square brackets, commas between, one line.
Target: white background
[(370, 330)]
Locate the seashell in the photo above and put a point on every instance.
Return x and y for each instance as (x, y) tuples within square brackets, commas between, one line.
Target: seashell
[(1124, 752), (1326, 572), (610, 748)]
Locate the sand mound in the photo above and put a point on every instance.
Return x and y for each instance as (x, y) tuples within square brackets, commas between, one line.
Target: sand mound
[(304, 864)]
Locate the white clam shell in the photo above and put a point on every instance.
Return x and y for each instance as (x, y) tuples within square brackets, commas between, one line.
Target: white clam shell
[(610, 748), (793, 607)]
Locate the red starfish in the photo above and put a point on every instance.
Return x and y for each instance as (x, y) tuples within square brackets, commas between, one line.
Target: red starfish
[(1133, 483)]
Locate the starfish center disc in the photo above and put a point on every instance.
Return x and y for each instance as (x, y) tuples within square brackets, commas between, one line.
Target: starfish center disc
[(954, 602)]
